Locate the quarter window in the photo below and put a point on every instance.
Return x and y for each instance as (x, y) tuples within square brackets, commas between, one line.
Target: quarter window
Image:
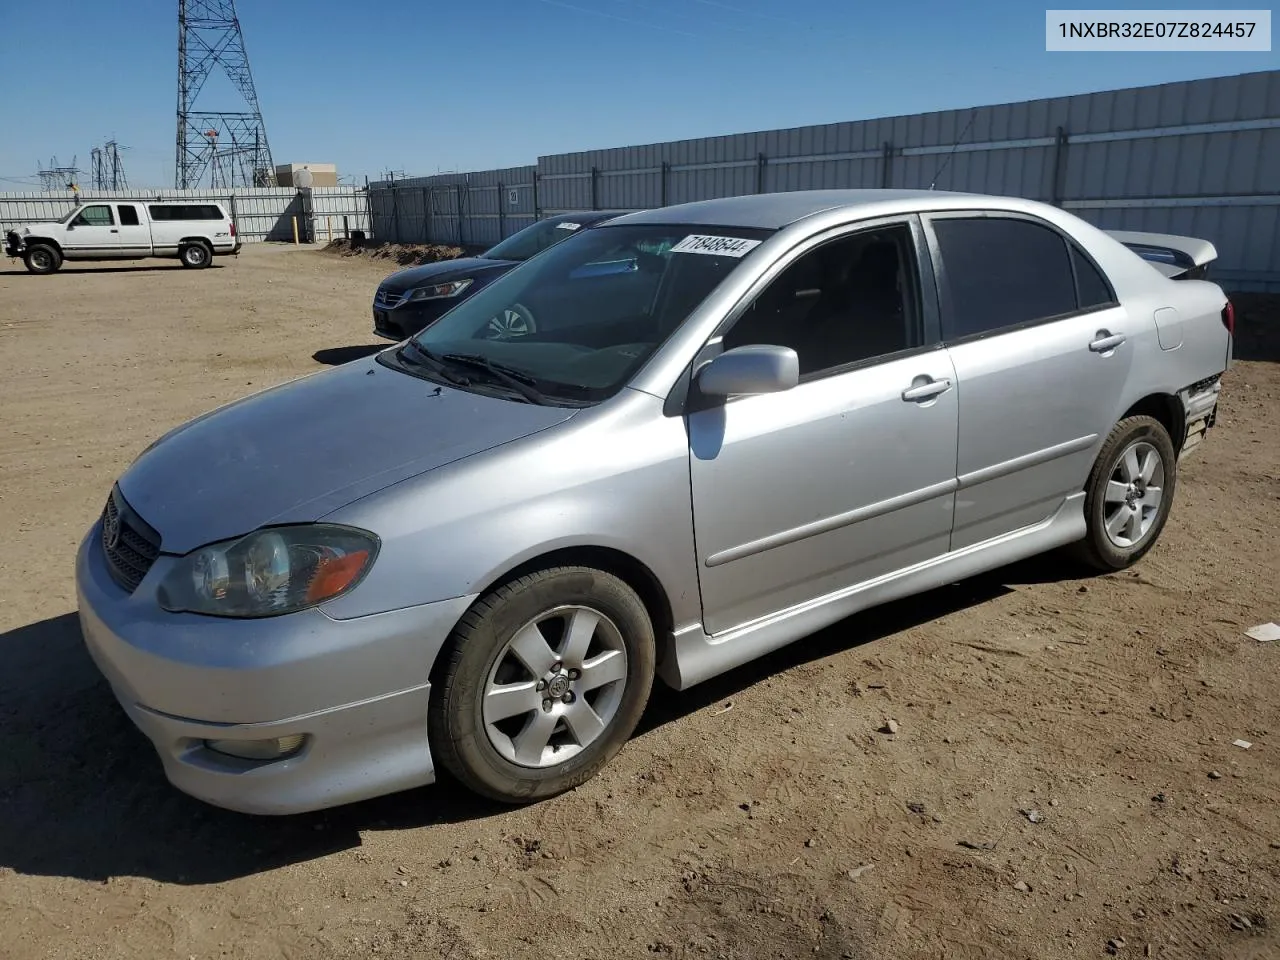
[(847, 301), (128, 215), (1094, 291), (185, 211), (98, 215), (1001, 272)]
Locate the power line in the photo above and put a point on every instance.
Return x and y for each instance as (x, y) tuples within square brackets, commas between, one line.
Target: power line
[(644, 23), (753, 13), (685, 16)]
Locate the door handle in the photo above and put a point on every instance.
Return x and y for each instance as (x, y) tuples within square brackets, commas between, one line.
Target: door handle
[(114, 230), (1106, 341), (927, 390)]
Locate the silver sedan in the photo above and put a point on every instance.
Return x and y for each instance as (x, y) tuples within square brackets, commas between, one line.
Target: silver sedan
[(738, 421)]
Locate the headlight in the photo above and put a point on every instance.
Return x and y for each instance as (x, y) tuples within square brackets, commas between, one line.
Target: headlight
[(439, 291), (269, 572)]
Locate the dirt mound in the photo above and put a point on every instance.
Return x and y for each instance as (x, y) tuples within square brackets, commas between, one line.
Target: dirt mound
[(405, 254)]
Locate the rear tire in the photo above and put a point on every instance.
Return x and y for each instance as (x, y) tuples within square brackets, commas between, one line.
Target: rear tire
[(1129, 494), (195, 256), (559, 662), (41, 258)]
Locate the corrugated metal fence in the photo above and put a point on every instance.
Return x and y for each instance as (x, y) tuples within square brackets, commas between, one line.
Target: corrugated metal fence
[(261, 213), (1200, 158), (467, 209)]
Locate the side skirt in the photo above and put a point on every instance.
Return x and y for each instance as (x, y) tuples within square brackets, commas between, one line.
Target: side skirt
[(699, 656)]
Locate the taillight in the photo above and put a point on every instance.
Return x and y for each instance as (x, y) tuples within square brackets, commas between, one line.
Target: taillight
[(1229, 318), (233, 228)]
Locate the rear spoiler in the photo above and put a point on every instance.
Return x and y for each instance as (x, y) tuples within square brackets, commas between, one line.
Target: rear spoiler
[(1180, 258)]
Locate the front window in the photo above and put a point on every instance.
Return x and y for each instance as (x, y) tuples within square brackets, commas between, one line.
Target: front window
[(95, 216), (579, 321), (534, 239)]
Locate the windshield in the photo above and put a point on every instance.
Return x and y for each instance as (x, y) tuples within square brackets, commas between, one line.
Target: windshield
[(68, 215), (534, 239), (582, 318)]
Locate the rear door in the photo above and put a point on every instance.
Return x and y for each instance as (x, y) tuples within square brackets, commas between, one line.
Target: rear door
[(135, 233), (1041, 355), (93, 233)]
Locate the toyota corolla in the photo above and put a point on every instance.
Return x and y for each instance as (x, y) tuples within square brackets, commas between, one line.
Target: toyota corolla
[(731, 423)]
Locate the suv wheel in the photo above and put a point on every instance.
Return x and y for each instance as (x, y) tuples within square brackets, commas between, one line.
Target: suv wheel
[(1129, 494), (542, 683)]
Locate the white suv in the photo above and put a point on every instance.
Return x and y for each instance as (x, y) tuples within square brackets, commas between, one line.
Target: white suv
[(127, 230)]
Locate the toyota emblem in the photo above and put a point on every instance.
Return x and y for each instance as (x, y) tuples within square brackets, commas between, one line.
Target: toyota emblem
[(111, 530)]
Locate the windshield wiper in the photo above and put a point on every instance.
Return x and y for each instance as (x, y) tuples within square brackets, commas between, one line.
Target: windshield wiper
[(432, 361), (517, 380)]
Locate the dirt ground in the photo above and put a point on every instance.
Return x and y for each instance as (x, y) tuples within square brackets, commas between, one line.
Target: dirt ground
[(758, 816)]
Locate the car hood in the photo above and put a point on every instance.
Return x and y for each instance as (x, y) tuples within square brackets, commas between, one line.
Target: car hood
[(443, 271), (299, 451)]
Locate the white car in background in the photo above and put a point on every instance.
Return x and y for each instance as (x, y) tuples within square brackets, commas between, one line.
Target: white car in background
[(192, 231)]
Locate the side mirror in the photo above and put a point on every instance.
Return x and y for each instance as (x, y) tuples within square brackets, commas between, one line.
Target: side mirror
[(753, 369)]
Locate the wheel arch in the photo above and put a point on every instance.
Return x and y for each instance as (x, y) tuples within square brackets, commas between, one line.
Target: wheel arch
[(29, 242), (1165, 408), (634, 573), (204, 241)]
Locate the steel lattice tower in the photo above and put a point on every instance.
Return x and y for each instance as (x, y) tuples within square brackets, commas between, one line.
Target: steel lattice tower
[(230, 145), (108, 168)]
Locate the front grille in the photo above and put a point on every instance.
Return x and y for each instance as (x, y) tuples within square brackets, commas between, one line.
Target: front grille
[(388, 300), (130, 546)]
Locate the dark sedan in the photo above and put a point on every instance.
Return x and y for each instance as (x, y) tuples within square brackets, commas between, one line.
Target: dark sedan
[(411, 300)]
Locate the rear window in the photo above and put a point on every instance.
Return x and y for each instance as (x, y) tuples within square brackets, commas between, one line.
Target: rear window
[(1002, 272), (186, 211)]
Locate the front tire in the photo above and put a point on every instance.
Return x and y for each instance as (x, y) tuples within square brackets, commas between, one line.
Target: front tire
[(41, 258), (1129, 494), (195, 256), (542, 683)]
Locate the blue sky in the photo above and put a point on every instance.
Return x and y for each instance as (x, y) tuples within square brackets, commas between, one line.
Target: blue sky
[(423, 87)]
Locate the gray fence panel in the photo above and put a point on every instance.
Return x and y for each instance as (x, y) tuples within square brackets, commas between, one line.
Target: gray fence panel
[(1199, 157), (1247, 237), (472, 209), (337, 211)]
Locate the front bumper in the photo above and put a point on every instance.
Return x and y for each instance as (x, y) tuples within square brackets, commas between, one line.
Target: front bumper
[(12, 246), (402, 322), (356, 689)]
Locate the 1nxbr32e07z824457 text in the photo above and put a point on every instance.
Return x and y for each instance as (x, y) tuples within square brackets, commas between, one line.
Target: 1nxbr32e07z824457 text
[(1158, 30)]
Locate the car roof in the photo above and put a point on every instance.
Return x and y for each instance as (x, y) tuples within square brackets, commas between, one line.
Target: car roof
[(772, 211)]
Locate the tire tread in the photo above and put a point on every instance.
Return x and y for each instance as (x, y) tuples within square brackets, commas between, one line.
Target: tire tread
[(446, 749), (1094, 551)]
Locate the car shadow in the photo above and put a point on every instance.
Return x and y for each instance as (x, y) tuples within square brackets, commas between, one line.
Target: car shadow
[(336, 356), (82, 793), (149, 268)]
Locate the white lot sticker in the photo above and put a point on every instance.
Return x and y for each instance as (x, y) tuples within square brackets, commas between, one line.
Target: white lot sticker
[(568, 225), (716, 246)]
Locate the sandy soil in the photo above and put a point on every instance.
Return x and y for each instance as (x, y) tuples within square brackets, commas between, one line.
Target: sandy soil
[(758, 816)]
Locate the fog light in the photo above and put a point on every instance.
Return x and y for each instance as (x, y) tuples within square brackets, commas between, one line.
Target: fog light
[(275, 749)]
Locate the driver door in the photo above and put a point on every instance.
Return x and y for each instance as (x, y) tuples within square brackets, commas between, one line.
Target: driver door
[(848, 476), (93, 233)]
